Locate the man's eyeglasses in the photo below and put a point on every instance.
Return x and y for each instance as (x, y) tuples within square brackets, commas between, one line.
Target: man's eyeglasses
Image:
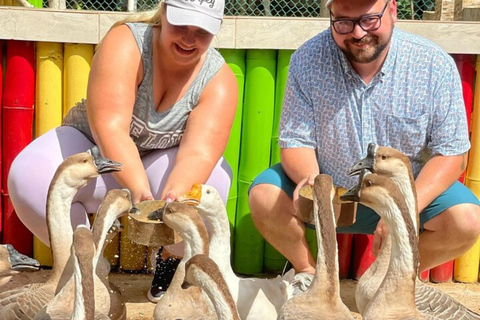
[(369, 22)]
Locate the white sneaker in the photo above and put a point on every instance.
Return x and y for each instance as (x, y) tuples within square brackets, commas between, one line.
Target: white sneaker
[(301, 282)]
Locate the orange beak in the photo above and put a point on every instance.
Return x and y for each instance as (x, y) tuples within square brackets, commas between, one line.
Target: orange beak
[(192, 197)]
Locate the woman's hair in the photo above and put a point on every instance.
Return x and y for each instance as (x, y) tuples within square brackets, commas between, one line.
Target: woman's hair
[(153, 17)]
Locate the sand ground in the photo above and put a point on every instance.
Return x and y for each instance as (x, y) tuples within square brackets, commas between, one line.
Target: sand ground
[(134, 287)]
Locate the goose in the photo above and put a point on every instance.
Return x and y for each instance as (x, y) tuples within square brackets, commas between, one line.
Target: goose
[(117, 203), (255, 298), (83, 253), (13, 262), (191, 303), (394, 164), (203, 272), (322, 299), (395, 298), (72, 174), (430, 301)]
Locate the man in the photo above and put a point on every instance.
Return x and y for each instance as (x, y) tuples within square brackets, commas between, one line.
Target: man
[(363, 81)]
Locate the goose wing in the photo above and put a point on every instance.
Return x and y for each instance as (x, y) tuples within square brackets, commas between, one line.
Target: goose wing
[(435, 303), (33, 301)]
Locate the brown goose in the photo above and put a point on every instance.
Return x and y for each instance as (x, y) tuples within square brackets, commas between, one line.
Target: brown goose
[(13, 262), (430, 301), (203, 272), (191, 303), (256, 298), (395, 298), (115, 204), (72, 174), (391, 163), (322, 299), (83, 253)]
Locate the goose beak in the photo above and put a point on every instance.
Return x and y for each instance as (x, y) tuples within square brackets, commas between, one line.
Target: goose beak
[(21, 262), (117, 226), (366, 163), (134, 210), (354, 193), (158, 214), (186, 285), (351, 195), (193, 196), (104, 165)]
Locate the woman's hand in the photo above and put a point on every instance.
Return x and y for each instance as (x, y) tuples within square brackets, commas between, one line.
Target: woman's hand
[(141, 195), (170, 196)]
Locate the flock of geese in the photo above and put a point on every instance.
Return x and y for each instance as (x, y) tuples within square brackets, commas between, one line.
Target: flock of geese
[(204, 285)]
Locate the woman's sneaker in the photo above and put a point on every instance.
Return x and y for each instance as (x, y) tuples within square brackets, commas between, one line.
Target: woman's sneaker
[(164, 271)]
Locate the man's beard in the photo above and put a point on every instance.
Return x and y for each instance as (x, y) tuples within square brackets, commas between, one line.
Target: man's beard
[(371, 53)]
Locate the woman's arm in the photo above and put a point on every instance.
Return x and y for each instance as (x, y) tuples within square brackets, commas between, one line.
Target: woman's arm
[(206, 135), (112, 87)]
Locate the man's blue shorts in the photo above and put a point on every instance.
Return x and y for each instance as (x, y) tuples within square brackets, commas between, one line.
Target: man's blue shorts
[(367, 219)]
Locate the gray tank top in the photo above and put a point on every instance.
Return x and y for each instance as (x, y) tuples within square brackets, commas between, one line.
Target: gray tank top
[(150, 129)]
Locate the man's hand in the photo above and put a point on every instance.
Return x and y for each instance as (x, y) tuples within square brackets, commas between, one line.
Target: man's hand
[(379, 236), (309, 180)]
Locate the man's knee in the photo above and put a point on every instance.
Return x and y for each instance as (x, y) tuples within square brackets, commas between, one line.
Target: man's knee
[(463, 220), (471, 225), (265, 199), (258, 200)]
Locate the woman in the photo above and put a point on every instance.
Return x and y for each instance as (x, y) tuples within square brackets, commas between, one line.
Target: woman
[(160, 101)]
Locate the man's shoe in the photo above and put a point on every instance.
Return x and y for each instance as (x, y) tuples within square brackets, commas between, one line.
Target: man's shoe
[(301, 282), (164, 271)]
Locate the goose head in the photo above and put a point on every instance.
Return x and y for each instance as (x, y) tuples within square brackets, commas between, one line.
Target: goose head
[(76, 170), (117, 203), (371, 190), (394, 164), (17, 262), (120, 202), (12, 262), (381, 194), (206, 199), (184, 219), (382, 160)]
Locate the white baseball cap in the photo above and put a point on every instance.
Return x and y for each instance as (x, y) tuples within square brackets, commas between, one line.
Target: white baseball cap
[(205, 14)]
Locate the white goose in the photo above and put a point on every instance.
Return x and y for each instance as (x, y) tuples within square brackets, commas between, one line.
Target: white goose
[(430, 301), (322, 299), (255, 298), (395, 298), (13, 262), (191, 303), (203, 272), (72, 174), (116, 203)]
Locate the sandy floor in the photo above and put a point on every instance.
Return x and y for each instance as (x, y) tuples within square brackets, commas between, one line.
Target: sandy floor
[(135, 286)]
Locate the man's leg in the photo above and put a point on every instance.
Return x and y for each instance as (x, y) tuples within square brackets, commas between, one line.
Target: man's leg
[(273, 215), (449, 235)]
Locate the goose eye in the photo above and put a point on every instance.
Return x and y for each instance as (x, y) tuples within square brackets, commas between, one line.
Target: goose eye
[(85, 160), (368, 183), (208, 191), (384, 157)]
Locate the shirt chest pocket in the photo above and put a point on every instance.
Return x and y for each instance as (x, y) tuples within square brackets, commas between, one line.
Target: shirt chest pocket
[(408, 135)]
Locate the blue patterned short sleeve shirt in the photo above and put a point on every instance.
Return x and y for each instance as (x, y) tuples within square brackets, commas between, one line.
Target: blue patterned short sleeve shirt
[(414, 104)]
